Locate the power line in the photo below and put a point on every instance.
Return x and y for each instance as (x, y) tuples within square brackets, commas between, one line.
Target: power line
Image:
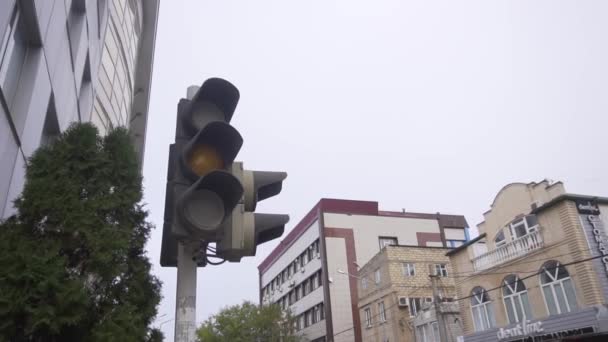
[(492, 289), (523, 262), (535, 274), (387, 308), (476, 273)]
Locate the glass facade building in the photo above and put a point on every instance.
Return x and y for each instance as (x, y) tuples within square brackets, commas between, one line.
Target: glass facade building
[(63, 61)]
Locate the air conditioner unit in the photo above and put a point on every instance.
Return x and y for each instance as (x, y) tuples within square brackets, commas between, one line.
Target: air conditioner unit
[(292, 284), (302, 269), (403, 301), (318, 255)]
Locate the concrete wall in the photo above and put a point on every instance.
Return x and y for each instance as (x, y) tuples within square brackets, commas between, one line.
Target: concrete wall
[(341, 308), (367, 229)]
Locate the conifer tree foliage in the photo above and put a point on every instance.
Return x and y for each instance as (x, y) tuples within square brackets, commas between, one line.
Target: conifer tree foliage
[(73, 265)]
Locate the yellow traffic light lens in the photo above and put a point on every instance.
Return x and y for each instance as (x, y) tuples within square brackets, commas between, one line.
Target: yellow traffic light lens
[(203, 159)]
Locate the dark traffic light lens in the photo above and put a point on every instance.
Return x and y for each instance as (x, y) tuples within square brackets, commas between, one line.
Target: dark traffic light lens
[(203, 159)]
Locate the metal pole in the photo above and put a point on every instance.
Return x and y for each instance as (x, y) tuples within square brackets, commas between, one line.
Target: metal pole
[(185, 299), (185, 306), (443, 336)]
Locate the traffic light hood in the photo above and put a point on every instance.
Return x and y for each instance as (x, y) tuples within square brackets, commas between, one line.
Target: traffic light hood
[(219, 92)]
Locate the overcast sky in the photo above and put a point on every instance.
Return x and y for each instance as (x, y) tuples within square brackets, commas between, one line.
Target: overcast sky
[(424, 105)]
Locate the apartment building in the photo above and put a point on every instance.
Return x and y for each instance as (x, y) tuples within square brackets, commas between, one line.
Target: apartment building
[(426, 326), (64, 61), (395, 290), (543, 275), (301, 273)]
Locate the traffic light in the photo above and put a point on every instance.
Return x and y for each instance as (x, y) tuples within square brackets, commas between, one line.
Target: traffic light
[(209, 197), (244, 230)]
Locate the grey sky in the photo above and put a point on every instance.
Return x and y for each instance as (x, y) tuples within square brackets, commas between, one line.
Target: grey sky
[(428, 106)]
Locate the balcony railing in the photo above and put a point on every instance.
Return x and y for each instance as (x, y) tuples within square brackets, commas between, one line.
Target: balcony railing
[(514, 249)]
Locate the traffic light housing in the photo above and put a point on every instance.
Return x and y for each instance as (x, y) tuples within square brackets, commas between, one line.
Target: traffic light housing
[(209, 197), (245, 230)]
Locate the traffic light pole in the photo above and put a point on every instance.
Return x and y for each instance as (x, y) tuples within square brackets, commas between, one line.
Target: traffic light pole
[(185, 299), (185, 306)]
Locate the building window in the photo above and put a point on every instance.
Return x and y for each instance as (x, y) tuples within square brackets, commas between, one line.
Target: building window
[(415, 306), (523, 226), (557, 288), (481, 309), (500, 240), (516, 301), (435, 330), (307, 318), (441, 270), (381, 312), (409, 269), (387, 241), (322, 311), (377, 276), (364, 283), (368, 317)]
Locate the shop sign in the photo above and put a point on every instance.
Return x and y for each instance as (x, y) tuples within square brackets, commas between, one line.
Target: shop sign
[(557, 336), (597, 235), (587, 207), (524, 329)]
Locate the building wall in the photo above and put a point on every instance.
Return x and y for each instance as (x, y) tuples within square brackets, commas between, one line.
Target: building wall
[(49, 65), (286, 259), (567, 237), (350, 232), (394, 284), (515, 199), (307, 238), (367, 229), (340, 289)]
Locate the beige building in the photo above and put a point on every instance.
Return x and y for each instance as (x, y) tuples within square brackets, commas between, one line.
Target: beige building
[(395, 289), (307, 272), (542, 275)]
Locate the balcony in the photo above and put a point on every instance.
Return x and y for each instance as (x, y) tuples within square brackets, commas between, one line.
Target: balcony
[(509, 251)]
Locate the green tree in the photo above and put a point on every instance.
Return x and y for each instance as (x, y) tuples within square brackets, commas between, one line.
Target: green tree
[(248, 323), (72, 260)]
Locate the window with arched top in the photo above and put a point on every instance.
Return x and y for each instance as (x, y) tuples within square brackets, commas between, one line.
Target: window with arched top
[(515, 297), (500, 240), (481, 309), (557, 287)]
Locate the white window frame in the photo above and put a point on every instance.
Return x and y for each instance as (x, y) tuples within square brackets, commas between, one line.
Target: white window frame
[(387, 241), (409, 269), (377, 277), (441, 270), (515, 296), (523, 221), (557, 285), (501, 242), (368, 317), (382, 312), (364, 283), (486, 306), (414, 305)]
